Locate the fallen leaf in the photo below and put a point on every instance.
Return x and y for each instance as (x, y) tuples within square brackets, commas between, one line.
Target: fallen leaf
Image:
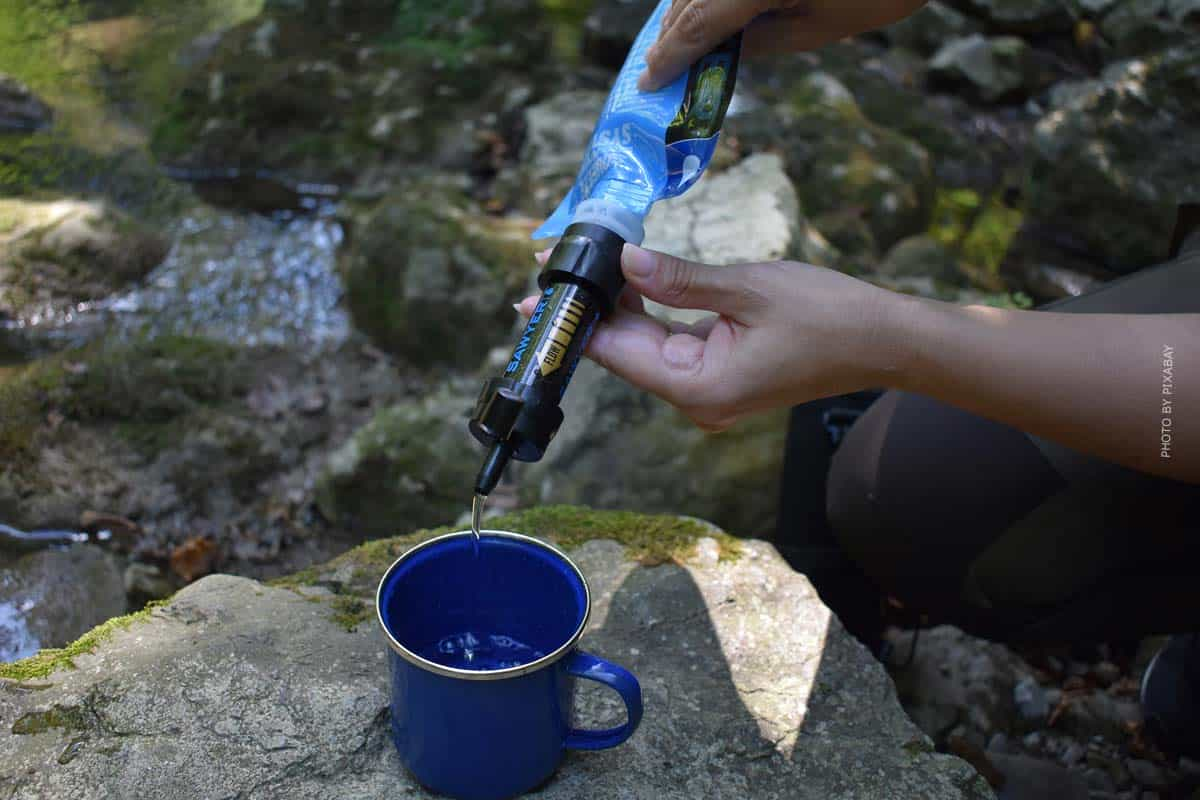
[(194, 558)]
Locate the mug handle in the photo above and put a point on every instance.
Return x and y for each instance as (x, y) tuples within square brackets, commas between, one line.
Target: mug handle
[(588, 666)]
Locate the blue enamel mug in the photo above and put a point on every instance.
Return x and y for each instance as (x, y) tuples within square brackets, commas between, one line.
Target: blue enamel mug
[(497, 728)]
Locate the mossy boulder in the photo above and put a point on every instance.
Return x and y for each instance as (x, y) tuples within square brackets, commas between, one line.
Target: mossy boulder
[(921, 256), (412, 465), (1115, 156), (840, 159), (430, 277), (55, 254), (1141, 27), (322, 90), (141, 392)]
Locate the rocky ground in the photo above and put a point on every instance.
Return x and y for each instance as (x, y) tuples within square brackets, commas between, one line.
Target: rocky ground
[(254, 389)]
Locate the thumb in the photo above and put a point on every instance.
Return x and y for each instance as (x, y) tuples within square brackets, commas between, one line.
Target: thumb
[(685, 284)]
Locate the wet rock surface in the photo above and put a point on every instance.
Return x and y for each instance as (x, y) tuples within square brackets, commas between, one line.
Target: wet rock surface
[(264, 682), (51, 598)]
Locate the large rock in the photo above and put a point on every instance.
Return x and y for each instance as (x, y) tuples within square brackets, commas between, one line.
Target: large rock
[(431, 278), (557, 132), (323, 90), (412, 465), (1137, 27), (841, 161), (931, 27), (992, 69), (20, 109), (53, 597), (56, 254), (752, 688), (1022, 16), (1115, 156)]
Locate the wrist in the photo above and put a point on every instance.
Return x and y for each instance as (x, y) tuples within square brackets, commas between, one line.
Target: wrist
[(896, 343)]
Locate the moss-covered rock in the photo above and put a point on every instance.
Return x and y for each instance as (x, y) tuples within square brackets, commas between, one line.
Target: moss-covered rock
[(321, 90), (141, 384), (412, 465), (56, 254), (431, 278), (1021, 16), (921, 255), (840, 159), (1116, 155), (21, 109), (931, 27)]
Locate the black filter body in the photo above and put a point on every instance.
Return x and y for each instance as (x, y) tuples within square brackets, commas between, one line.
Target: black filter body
[(518, 413)]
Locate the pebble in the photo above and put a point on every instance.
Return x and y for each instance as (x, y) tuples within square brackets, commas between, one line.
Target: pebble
[(1031, 702), (1146, 773), (1106, 673), (1073, 754), (1099, 781), (1032, 741)]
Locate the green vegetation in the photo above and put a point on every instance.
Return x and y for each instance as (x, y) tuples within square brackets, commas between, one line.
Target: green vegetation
[(142, 383), (69, 718), (981, 229), (51, 659)]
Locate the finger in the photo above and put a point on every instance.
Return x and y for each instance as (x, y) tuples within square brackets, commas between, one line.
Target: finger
[(684, 284), (525, 307), (698, 27), (641, 351), (543, 256), (672, 15)]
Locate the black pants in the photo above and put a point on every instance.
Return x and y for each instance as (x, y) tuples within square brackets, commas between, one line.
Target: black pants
[(959, 519)]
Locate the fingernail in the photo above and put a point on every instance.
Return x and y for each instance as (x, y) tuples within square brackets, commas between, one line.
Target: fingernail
[(638, 262), (517, 308)]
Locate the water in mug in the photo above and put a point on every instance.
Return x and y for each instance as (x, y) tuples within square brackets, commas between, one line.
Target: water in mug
[(480, 651)]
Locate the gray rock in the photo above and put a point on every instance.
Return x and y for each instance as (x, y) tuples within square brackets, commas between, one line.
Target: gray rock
[(1183, 10), (931, 27), (1030, 700), (956, 677), (557, 132), (1028, 778), (56, 254), (430, 277), (993, 69), (1113, 160), (52, 597), (1147, 773), (20, 109), (610, 28), (921, 256), (1137, 27), (1099, 713), (1023, 16), (236, 688), (408, 467)]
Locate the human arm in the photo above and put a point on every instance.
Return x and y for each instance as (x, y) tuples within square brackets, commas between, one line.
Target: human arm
[(691, 28), (785, 333)]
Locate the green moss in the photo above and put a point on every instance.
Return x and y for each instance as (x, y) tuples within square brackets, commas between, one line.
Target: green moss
[(350, 612), (51, 659), (980, 229), (649, 539), (139, 385), (62, 717)]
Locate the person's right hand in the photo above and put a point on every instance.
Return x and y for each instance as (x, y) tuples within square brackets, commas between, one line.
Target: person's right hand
[(692, 28), (783, 333)]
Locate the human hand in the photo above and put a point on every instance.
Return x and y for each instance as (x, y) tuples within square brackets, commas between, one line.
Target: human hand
[(692, 28), (783, 333)]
